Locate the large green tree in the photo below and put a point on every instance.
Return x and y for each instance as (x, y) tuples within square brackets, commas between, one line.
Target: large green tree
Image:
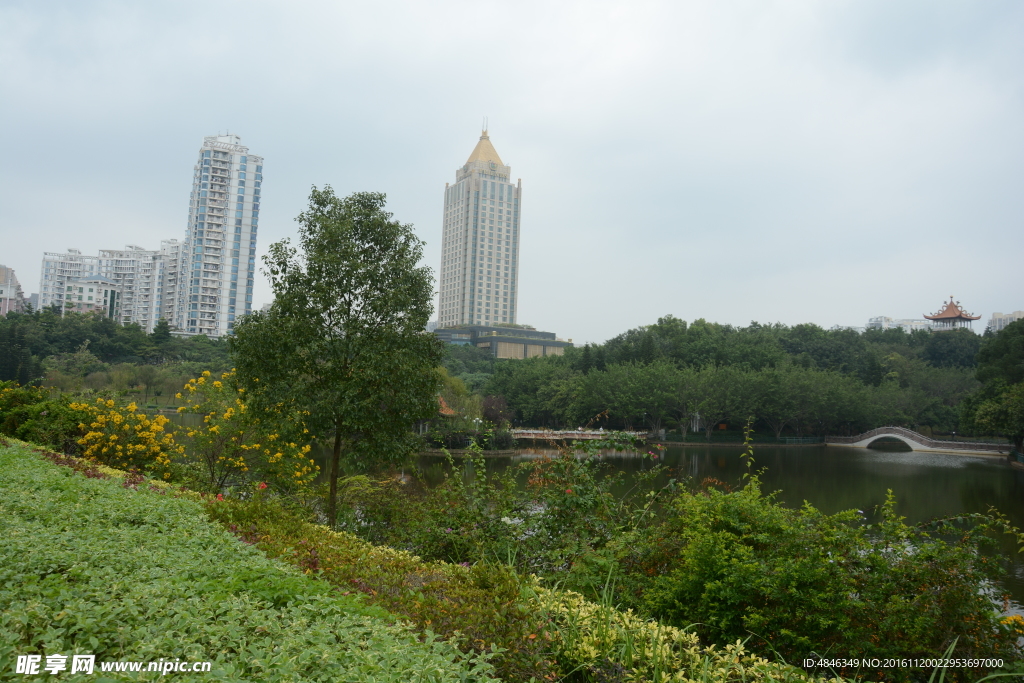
[(344, 338), (1001, 358), (998, 407)]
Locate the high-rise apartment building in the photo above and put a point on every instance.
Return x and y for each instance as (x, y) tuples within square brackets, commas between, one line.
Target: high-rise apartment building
[(135, 273), (216, 264), (60, 267), (478, 282), (200, 285)]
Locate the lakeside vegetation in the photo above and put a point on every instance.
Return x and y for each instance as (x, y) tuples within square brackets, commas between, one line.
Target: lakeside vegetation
[(535, 582)]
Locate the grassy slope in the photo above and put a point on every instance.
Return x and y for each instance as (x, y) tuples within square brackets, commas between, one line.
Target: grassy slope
[(88, 566)]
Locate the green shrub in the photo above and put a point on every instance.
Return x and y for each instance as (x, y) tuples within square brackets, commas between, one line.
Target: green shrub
[(28, 413), (738, 563), (503, 440), (92, 566), (566, 512)]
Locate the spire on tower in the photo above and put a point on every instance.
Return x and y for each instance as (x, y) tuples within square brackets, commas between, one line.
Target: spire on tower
[(484, 150)]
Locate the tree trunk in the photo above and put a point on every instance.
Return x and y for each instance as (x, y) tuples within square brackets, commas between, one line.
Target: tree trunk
[(332, 497)]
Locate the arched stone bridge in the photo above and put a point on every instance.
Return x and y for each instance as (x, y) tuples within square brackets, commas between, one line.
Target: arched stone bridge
[(917, 442)]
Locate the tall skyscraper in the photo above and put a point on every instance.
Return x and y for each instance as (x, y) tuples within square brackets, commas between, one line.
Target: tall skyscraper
[(217, 262), (478, 283)]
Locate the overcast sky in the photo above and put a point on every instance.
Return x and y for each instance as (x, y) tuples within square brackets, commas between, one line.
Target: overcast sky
[(734, 161)]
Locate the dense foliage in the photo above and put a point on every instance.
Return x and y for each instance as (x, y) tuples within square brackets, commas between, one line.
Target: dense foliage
[(45, 333), (208, 598), (124, 437), (223, 445), (737, 563), (998, 407), (471, 364), (28, 413), (536, 633), (800, 380), (231, 445), (92, 565)]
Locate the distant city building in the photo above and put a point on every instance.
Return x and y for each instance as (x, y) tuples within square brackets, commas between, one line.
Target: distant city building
[(200, 285), (431, 326), (906, 324), (951, 317), (519, 341), (60, 267), (480, 242), (94, 294), (218, 258), (135, 273), (169, 292), (34, 300), (12, 299), (998, 321)]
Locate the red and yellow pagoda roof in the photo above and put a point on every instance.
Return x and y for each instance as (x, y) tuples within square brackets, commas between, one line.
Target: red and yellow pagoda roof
[(951, 311)]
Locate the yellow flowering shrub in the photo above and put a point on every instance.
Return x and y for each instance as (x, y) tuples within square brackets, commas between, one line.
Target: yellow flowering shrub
[(231, 445), (1016, 623), (123, 437)]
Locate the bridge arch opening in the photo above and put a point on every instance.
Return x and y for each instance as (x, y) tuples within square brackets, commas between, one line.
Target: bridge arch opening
[(892, 444)]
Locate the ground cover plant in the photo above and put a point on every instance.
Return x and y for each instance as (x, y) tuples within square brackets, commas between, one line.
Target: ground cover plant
[(103, 566)]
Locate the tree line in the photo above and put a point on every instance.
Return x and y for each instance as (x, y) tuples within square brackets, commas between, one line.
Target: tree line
[(801, 380), (85, 351)]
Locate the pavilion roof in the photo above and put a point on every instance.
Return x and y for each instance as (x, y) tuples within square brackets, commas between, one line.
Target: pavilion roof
[(443, 407), (951, 311)]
